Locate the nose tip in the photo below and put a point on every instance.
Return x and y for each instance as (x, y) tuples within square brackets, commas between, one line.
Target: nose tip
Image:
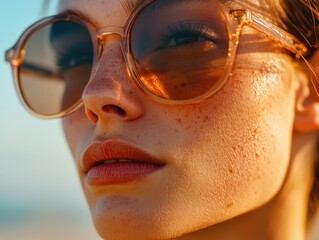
[(111, 92)]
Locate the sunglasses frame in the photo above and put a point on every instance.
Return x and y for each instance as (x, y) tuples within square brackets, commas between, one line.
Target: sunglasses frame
[(236, 20)]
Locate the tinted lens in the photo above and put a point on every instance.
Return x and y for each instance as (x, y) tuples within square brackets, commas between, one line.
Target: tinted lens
[(56, 67), (180, 47)]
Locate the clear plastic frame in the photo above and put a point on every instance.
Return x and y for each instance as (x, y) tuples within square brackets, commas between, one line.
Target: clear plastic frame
[(236, 20)]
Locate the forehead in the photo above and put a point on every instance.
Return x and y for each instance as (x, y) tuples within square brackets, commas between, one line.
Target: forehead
[(102, 11), (99, 11)]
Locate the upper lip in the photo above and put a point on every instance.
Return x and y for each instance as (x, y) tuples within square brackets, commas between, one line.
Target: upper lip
[(107, 150)]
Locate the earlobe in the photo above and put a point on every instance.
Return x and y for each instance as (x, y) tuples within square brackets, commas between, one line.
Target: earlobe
[(307, 100)]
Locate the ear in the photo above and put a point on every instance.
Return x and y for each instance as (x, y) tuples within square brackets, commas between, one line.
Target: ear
[(307, 97)]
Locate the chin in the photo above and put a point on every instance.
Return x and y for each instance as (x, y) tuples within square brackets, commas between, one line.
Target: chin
[(128, 227), (118, 218)]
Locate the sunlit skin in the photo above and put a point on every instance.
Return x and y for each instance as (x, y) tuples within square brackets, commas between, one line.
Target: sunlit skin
[(229, 158)]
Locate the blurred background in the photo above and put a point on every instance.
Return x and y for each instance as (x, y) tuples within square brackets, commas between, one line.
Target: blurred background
[(40, 195)]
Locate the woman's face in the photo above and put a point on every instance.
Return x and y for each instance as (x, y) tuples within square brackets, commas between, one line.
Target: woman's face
[(222, 157)]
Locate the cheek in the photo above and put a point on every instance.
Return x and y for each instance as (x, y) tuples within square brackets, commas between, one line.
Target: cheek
[(236, 151), (77, 130)]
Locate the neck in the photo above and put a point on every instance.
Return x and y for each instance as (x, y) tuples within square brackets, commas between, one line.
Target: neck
[(285, 215)]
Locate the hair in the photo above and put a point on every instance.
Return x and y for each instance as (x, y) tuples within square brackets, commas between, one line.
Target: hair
[(301, 18)]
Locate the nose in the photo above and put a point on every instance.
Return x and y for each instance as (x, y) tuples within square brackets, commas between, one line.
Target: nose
[(111, 93)]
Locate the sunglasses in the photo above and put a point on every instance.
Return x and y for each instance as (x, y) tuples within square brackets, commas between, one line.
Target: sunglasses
[(177, 52)]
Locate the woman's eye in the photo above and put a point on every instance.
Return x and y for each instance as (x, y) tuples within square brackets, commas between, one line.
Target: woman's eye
[(185, 38), (185, 34), (74, 56)]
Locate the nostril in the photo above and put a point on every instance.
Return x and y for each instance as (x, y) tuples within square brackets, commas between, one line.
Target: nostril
[(94, 117), (114, 109)]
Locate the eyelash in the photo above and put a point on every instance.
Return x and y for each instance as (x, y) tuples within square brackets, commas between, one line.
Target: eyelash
[(77, 51), (191, 28)]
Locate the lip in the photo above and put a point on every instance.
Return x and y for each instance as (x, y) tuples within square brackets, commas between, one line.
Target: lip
[(100, 168)]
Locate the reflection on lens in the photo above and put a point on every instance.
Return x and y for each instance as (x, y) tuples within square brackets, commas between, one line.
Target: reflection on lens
[(56, 67), (180, 48)]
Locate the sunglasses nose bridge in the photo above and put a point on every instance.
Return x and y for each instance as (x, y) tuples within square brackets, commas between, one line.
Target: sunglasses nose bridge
[(105, 31)]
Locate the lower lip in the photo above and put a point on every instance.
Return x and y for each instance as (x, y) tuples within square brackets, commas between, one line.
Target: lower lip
[(119, 173)]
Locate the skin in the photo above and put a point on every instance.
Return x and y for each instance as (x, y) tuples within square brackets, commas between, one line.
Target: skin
[(229, 158)]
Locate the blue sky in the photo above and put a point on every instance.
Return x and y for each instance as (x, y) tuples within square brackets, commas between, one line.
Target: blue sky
[(36, 168)]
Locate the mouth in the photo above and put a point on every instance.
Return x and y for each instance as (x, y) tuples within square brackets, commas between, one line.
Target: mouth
[(115, 162)]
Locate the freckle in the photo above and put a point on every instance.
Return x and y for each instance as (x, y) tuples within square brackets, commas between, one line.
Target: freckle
[(206, 118), (179, 120), (257, 154), (230, 204), (230, 170), (255, 133)]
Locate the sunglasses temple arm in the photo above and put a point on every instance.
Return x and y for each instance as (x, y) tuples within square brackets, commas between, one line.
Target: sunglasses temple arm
[(284, 38)]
